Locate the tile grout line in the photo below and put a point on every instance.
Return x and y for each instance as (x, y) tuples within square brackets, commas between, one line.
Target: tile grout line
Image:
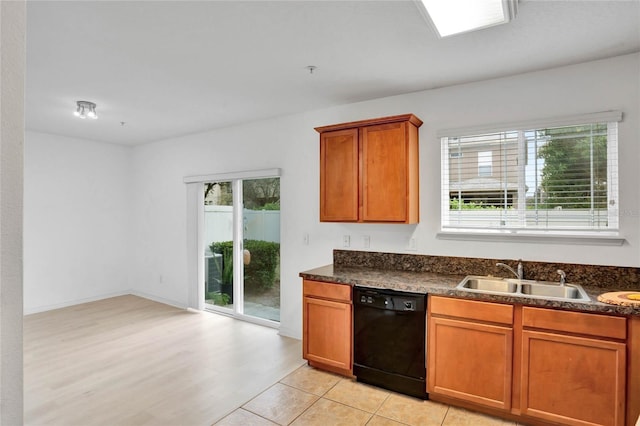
[(248, 411), (445, 415), (314, 402), (345, 405), (350, 406), (251, 399), (322, 395), (389, 393), (241, 407)]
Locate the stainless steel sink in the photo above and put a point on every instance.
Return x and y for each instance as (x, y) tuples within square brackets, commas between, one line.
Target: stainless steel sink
[(547, 289), (488, 284), (523, 288)]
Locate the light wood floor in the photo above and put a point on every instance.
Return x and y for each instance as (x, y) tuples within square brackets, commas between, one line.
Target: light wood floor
[(131, 361)]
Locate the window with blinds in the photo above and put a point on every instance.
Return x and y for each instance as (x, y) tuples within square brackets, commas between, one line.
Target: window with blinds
[(562, 178)]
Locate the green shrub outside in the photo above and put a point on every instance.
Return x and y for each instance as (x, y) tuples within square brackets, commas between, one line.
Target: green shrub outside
[(260, 273), (219, 299), (456, 204), (225, 248)]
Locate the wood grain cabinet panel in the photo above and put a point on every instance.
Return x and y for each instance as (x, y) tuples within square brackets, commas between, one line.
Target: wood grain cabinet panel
[(384, 173), (470, 351), (472, 310), (573, 380), (369, 171), (633, 371), (327, 327), (535, 364), (470, 361), (606, 326), (339, 176), (327, 291)]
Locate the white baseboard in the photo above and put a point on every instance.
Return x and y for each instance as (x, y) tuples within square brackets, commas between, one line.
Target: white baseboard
[(158, 299), (289, 332), (44, 308)]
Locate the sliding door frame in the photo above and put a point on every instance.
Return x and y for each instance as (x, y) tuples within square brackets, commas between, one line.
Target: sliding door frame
[(196, 243)]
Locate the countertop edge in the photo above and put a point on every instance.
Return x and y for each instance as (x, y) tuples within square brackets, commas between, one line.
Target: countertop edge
[(444, 285)]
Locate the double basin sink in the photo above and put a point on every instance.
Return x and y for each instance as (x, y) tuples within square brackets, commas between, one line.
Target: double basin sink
[(523, 288)]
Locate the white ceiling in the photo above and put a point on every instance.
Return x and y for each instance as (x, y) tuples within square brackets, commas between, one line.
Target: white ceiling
[(169, 68)]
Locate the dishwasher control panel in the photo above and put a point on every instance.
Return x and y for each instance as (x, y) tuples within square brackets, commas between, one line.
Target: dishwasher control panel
[(385, 299)]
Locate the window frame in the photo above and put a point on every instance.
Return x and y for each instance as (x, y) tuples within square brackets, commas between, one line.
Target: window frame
[(608, 236)]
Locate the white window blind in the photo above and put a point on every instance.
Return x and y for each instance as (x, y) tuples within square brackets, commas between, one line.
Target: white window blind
[(559, 179)]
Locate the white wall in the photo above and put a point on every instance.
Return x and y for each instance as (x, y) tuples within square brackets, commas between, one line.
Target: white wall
[(159, 237), (102, 219), (76, 221)]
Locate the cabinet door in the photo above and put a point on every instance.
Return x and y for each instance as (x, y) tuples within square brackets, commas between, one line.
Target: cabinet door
[(470, 361), (327, 332), (339, 176), (573, 380), (384, 173)]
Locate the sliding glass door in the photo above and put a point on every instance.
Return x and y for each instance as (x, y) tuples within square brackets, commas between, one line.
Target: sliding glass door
[(261, 247), (218, 250), (242, 247)]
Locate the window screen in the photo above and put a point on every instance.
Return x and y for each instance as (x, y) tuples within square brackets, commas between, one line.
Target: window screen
[(536, 179)]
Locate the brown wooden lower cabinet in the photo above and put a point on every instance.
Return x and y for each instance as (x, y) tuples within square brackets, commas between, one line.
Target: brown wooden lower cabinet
[(573, 380), (545, 367), (573, 367), (327, 331), (470, 360)]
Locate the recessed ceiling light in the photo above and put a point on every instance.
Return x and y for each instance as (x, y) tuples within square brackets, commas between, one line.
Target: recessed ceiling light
[(451, 17)]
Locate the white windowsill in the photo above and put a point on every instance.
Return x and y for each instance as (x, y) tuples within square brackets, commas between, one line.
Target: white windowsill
[(595, 240)]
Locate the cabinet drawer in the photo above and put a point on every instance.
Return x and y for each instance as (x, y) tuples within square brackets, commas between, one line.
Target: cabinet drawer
[(575, 322), (341, 292), (471, 309)]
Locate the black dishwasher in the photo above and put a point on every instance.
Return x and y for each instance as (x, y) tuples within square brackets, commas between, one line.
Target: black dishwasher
[(389, 340)]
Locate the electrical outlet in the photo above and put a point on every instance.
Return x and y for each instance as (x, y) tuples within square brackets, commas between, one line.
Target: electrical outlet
[(346, 240), (366, 241), (305, 239), (412, 246)]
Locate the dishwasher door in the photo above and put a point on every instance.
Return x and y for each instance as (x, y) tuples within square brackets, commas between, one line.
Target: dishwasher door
[(389, 340)]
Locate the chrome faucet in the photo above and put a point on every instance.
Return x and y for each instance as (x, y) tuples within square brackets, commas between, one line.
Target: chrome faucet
[(563, 276), (519, 273)]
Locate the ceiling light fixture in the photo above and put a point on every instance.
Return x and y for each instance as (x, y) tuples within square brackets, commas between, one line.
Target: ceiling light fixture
[(460, 16), (85, 109)]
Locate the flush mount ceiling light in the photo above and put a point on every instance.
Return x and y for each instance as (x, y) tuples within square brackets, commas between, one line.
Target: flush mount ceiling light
[(451, 17), (86, 109)]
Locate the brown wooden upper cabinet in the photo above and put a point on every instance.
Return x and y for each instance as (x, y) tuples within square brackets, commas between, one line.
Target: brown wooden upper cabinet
[(369, 170)]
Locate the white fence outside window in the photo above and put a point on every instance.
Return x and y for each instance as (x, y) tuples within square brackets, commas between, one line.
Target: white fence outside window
[(258, 224)]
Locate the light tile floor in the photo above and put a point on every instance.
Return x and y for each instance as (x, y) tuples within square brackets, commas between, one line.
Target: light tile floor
[(309, 397)]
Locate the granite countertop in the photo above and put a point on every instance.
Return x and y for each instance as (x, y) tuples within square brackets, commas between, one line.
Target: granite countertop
[(445, 285)]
